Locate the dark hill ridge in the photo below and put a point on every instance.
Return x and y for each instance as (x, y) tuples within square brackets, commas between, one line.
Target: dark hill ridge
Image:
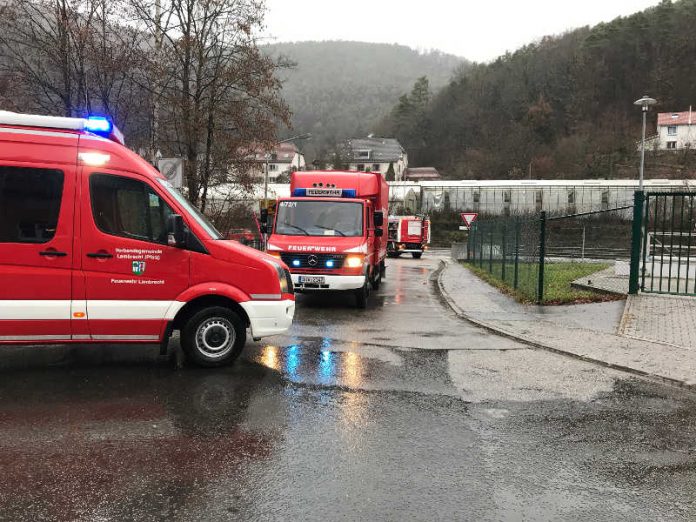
[(340, 89), (561, 107)]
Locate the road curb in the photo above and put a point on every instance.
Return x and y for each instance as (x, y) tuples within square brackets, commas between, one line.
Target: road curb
[(536, 344)]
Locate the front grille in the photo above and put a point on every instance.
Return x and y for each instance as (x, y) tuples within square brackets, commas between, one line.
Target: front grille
[(320, 264)]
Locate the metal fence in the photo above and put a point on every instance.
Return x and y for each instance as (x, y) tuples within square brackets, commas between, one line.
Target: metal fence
[(526, 252), (667, 230)]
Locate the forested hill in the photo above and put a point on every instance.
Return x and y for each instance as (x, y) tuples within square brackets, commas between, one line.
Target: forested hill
[(562, 107), (340, 89)]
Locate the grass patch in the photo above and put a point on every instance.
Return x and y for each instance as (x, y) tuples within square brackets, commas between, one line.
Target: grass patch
[(557, 279)]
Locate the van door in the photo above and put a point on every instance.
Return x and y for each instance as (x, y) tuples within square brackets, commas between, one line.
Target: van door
[(132, 277), (36, 230)]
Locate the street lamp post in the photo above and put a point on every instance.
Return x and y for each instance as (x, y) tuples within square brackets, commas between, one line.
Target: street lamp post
[(268, 157), (645, 103)]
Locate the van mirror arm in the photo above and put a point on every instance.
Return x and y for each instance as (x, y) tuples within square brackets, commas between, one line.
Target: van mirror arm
[(176, 231), (378, 218)]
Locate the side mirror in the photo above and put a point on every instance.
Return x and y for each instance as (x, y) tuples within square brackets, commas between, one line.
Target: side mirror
[(379, 219), (263, 221), (176, 231), (379, 232)]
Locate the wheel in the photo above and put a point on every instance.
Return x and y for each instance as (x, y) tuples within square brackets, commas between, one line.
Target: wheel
[(213, 337), (393, 254), (362, 294), (416, 255)]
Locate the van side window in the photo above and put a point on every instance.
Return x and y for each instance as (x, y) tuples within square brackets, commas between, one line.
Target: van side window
[(128, 208), (29, 204)]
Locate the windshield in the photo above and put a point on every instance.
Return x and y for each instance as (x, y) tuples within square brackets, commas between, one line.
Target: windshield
[(319, 218), (192, 210)]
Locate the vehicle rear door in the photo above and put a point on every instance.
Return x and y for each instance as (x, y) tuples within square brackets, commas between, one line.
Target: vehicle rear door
[(36, 230), (132, 276)]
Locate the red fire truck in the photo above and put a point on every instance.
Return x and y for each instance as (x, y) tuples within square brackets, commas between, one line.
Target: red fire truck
[(408, 234), (329, 231), (96, 246)]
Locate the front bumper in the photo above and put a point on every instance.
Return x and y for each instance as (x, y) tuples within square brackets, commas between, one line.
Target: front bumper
[(269, 317), (331, 283)]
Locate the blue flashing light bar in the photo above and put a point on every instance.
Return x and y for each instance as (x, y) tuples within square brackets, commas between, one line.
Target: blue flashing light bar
[(330, 263), (295, 262), (99, 125), (316, 192)]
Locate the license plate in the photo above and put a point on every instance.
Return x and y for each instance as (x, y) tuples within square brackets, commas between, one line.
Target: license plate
[(312, 280)]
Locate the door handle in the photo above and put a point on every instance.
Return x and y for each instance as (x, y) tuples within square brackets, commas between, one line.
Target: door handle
[(100, 255), (52, 253)]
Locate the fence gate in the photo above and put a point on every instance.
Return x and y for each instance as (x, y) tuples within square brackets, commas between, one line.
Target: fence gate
[(668, 236)]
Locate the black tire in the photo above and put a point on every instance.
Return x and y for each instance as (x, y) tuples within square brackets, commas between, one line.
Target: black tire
[(213, 337), (416, 255), (362, 295), (393, 255)]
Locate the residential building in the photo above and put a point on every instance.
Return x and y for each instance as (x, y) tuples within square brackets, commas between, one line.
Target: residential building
[(675, 130), (282, 160), (374, 154)]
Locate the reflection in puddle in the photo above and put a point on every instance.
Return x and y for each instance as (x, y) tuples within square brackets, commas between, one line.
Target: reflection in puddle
[(269, 357)]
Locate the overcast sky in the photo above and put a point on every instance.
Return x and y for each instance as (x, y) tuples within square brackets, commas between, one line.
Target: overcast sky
[(479, 30)]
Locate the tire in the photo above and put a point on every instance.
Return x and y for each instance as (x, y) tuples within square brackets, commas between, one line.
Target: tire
[(393, 255), (213, 337), (362, 294), (416, 255)]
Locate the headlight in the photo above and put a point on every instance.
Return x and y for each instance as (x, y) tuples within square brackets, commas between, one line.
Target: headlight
[(285, 280), (354, 261)]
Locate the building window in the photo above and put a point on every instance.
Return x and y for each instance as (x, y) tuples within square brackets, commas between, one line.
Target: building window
[(272, 166), (605, 199), (507, 196), (571, 197), (375, 167), (29, 204), (539, 200), (672, 130), (361, 167), (672, 145), (363, 154), (477, 197)]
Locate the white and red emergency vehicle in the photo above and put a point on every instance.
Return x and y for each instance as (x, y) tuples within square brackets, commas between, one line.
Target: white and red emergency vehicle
[(329, 231), (96, 246), (408, 234)]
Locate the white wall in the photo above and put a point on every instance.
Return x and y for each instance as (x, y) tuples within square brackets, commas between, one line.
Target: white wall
[(399, 166), (685, 134)]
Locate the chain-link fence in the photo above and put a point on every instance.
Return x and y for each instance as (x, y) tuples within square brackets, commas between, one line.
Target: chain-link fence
[(508, 249), (539, 256)]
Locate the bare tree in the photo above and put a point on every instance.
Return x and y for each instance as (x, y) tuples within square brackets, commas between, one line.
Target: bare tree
[(217, 95), (71, 57)]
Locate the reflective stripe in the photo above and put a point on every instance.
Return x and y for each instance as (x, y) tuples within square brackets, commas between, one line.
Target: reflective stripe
[(96, 309), (125, 337), (34, 337), (265, 296)]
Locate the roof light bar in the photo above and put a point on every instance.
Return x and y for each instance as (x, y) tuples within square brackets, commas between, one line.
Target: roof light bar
[(99, 125)]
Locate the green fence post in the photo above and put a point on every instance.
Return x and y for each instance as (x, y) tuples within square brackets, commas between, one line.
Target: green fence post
[(542, 256), (503, 250), (518, 227), (636, 236)]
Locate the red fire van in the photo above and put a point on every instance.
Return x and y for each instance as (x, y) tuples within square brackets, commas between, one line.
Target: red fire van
[(96, 246), (329, 232)]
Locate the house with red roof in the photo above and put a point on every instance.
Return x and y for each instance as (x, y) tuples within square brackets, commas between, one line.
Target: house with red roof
[(676, 130)]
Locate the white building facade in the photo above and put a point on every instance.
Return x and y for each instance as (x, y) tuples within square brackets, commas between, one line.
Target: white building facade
[(676, 130)]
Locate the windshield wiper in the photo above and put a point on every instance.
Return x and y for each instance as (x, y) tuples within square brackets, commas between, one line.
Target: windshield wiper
[(327, 228), (296, 228)]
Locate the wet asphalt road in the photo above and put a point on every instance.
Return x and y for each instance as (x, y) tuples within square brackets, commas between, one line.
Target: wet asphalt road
[(398, 412)]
